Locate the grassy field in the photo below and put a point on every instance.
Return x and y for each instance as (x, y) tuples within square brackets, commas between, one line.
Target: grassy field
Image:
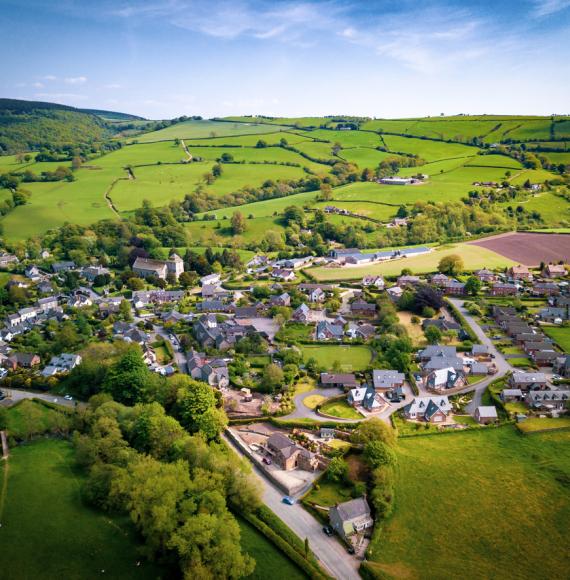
[(49, 533), (16, 421), (377, 211), (495, 505), (364, 156), (537, 424), (428, 150), (474, 258), (554, 210), (197, 129), (351, 358), (560, 335), (269, 561)]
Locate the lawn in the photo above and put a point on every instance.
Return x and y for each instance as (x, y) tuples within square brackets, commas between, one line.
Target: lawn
[(487, 503), (545, 424), (351, 358), (473, 256), (560, 335), (269, 561), (313, 401), (294, 331), (340, 409), (16, 418), (50, 534)]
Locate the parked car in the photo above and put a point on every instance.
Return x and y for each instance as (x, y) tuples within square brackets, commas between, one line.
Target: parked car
[(267, 461), (350, 549), (328, 531), (556, 378), (288, 500), (68, 398)]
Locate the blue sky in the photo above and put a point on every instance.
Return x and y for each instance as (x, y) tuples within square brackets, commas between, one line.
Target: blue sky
[(381, 58)]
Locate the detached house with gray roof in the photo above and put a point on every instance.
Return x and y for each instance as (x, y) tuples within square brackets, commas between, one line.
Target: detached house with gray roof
[(351, 517)]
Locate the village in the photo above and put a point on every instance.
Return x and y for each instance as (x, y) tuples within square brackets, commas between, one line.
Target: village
[(286, 347)]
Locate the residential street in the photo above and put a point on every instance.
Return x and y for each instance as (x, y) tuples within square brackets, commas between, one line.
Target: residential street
[(18, 395), (502, 364), (333, 556)]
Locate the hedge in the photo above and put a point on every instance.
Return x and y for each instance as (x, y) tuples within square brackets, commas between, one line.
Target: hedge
[(461, 320), (371, 571), (284, 539)]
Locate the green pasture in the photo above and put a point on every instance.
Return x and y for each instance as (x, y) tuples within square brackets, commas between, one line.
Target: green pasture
[(269, 561), (494, 160), (49, 533), (554, 210), (555, 157), (205, 233), (196, 129), (251, 140), (316, 150), (290, 121), (533, 175), (364, 157), (348, 139), (428, 150), (487, 503), (377, 211), (474, 258), (351, 358)]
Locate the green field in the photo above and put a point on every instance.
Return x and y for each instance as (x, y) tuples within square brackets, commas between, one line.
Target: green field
[(364, 156), (48, 533), (197, 129), (351, 358), (494, 161), (269, 561), (554, 209), (560, 335), (489, 503), (251, 140), (428, 150), (474, 258)]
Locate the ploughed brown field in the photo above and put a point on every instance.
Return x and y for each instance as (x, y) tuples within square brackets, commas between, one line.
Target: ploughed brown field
[(529, 249)]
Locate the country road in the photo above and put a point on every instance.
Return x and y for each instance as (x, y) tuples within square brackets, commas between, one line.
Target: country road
[(328, 550), (16, 395), (503, 366)]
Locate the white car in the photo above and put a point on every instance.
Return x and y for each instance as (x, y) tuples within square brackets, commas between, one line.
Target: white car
[(68, 398)]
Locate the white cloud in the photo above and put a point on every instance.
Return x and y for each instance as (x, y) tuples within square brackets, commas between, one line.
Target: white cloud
[(38, 85), (547, 7), (75, 80), (49, 78)]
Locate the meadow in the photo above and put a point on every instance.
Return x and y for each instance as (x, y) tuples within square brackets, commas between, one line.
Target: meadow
[(350, 358), (474, 258), (428, 150), (42, 508), (269, 561), (205, 128), (553, 209), (489, 503)]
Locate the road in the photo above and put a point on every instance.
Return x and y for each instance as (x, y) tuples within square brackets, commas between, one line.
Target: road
[(179, 357), (502, 364), (18, 395), (329, 551)]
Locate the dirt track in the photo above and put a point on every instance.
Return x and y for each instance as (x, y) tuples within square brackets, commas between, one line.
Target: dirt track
[(528, 248)]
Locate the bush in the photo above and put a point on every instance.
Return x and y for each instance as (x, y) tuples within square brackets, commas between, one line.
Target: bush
[(428, 312)]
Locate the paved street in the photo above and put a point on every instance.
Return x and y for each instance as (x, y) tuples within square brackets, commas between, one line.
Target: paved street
[(17, 395), (333, 556)]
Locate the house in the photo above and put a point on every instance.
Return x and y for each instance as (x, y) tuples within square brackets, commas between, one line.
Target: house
[(149, 356), (442, 323), (362, 308), (443, 362), (214, 306), (366, 397), (545, 289), (284, 274), (361, 330), (79, 301), (91, 272), (242, 312), (443, 379), (454, 288), (387, 379), (33, 273), (376, 281), (395, 180), (545, 358), (213, 371), (280, 300), (548, 400), (62, 363), (533, 347), (111, 305), (528, 381), (142, 298), (25, 360), (342, 380), (211, 279), (440, 279), (554, 271), (562, 366), (147, 267), (430, 409), (7, 259), (317, 295), (511, 395), (500, 289), (479, 368), (301, 314), (486, 275), (327, 433), (288, 455), (436, 350), (408, 280), (520, 273), (47, 304), (351, 517), (485, 415), (58, 267), (329, 330), (480, 351)]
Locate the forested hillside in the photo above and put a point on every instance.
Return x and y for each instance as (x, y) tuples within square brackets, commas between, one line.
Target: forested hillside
[(31, 126)]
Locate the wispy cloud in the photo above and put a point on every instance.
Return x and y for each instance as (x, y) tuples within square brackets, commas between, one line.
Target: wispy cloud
[(49, 78), (81, 80), (547, 7)]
